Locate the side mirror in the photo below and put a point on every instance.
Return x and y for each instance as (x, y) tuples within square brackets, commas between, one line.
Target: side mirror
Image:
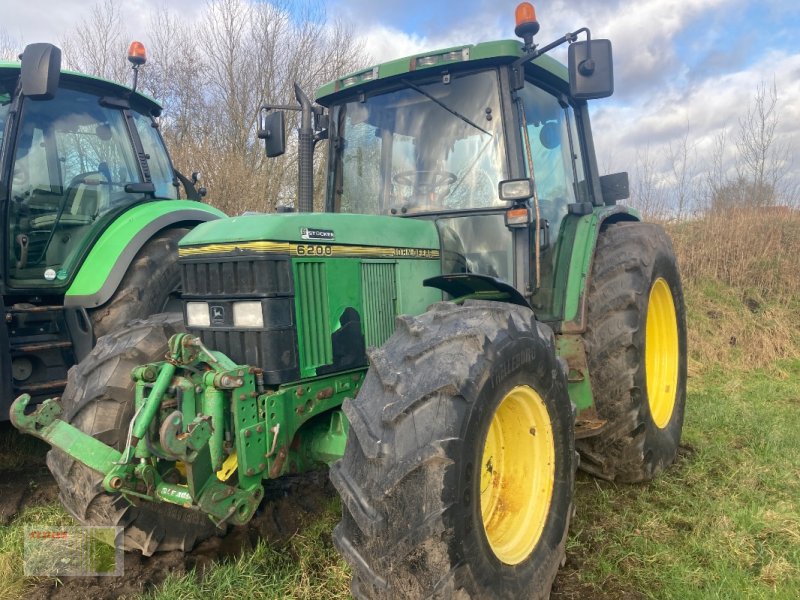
[(614, 187), (273, 132), (591, 70), (40, 71), (140, 188)]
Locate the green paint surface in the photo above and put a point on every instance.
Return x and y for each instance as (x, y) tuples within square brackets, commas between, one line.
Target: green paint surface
[(104, 254), (10, 69), (576, 258), (369, 230), (499, 51)]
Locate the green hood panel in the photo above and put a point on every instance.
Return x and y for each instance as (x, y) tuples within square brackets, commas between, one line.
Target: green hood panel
[(320, 228)]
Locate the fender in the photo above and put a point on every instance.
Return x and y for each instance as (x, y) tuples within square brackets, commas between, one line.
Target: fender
[(106, 264), (585, 230), (473, 285)]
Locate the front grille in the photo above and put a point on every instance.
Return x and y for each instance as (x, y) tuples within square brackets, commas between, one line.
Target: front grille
[(241, 277), (380, 301), (312, 311), (220, 281)]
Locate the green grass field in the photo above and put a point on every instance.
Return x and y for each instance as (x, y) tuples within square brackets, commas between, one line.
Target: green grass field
[(723, 522)]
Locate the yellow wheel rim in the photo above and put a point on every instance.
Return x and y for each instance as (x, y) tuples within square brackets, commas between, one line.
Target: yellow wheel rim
[(661, 353), (517, 473)]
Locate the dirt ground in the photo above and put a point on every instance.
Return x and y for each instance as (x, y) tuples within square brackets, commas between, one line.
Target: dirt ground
[(287, 504), (24, 478)]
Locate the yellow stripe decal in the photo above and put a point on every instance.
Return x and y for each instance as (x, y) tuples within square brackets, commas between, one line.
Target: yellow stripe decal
[(314, 250)]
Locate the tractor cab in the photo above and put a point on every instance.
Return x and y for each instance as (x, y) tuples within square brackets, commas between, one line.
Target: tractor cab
[(87, 195), (491, 142), (76, 152)]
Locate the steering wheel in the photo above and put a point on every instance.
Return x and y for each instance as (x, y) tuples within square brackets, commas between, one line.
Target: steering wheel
[(424, 181)]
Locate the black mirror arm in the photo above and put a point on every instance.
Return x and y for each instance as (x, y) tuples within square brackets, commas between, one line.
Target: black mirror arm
[(516, 67)]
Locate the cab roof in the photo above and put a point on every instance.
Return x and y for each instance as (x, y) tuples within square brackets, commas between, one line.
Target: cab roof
[(12, 69), (507, 50)]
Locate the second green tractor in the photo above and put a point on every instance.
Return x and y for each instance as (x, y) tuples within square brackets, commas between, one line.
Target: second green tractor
[(471, 314)]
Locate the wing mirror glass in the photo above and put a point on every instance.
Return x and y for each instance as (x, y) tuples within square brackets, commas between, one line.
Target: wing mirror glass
[(591, 70), (273, 132), (40, 70)]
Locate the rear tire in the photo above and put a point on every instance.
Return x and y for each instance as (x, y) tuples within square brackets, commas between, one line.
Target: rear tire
[(458, 474), (98, 400), (636, 346), (150, 285)]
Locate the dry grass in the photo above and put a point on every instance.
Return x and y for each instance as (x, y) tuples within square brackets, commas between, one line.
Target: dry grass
[(741, 272), (756, 251)]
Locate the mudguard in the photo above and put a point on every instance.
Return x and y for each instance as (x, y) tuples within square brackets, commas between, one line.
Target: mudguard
[(578, 263), (106, 264)]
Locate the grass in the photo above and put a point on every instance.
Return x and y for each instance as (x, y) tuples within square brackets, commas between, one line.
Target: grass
[(13, 584), (722, 523), (307, 567)]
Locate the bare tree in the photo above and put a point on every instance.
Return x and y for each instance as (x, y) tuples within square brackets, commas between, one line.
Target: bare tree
[(99, 45), (682, 161), (253, 53), (10, 47), (647, 193), (762, 161)]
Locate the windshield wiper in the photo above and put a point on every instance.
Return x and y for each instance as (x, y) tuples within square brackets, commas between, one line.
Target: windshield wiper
[(444, 106)]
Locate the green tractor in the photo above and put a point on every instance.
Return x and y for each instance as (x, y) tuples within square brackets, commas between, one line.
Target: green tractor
[(91, 217), (471, 313)]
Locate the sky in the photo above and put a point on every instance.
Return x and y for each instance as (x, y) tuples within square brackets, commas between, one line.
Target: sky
[(684, 69)]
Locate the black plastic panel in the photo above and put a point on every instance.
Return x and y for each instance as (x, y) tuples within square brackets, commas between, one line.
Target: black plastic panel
[(247, 276), (222, 281)]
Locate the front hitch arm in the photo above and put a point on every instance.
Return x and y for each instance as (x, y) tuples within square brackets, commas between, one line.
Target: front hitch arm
[(45, 424)]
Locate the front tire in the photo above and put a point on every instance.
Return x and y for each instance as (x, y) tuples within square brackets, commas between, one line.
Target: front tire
[(99, 400), (458, 474), (150, 286), (636, 346)]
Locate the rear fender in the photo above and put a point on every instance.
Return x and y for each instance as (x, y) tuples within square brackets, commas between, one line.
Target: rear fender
[(587, 229)]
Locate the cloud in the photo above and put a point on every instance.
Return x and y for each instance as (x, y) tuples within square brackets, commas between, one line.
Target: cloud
[(711, 107)]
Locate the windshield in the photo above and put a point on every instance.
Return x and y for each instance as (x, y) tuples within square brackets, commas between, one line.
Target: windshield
[(72, 161), (433, 145)]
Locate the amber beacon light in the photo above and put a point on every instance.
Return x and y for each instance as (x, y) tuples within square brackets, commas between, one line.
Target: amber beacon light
[(137, 54), (527, 25)]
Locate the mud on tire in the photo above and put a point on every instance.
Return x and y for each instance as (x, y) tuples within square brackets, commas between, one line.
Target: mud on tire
[(412, 478), (635, 272), (98, 400)]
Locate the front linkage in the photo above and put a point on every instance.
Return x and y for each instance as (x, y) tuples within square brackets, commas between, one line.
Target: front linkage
[(236, 426)]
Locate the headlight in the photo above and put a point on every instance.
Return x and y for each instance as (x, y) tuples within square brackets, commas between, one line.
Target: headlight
[(197, 314), (248, 314)]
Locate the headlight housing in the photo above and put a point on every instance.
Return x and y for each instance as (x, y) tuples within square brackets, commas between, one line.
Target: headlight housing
[(197, 314), (248, 314)]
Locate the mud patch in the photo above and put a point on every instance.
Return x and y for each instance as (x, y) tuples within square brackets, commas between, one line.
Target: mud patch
[(28, 487), (24, 478), (288, 506)]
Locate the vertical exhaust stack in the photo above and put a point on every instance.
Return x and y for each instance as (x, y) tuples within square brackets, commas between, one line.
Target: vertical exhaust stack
[(305, 154)]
